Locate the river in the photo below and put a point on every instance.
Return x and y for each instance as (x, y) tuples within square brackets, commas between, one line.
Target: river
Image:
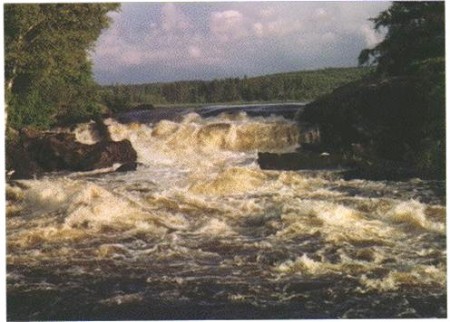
[(199, 231)]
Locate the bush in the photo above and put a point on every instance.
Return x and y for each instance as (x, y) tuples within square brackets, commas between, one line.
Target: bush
[(30, 110)]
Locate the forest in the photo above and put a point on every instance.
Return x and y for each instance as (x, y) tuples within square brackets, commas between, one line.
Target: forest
[(394, 104), (294, 86), (49, 80)]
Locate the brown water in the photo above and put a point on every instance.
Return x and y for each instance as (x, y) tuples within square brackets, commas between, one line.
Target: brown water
[(200, 232)]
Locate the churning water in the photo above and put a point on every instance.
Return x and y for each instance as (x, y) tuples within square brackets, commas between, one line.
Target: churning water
[(200, 232)]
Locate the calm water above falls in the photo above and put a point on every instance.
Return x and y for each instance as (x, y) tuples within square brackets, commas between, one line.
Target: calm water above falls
[(199, 231)]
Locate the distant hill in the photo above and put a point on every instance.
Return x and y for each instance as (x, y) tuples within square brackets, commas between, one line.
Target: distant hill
[(292, 86)]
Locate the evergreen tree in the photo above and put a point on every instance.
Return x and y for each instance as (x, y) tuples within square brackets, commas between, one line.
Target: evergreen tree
[(415, 32)]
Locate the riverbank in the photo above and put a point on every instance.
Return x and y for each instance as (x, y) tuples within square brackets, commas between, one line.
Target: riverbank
[(397, 120)]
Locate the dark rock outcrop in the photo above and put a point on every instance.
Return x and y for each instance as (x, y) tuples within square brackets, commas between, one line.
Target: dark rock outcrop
[(19, 164), (380, 115), (302, 160), (105, 154), (309, 133), (350, 168), (380, 171), (37, 152), (61, 151), (396, 119)]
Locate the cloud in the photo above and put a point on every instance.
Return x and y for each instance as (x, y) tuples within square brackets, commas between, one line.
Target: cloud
[(227, 25), (258, 29), (195, 52), (371, 36), (175, 41), (173, 18)]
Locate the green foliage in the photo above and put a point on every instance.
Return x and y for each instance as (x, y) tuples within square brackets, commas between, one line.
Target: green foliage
[(117, 99), (416, 32), (399, 112), (29, 109), (47, 71), (299, 86), (415, 46), (429, 154)]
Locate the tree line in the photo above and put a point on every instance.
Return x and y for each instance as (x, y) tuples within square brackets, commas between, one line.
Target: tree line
[(293, 86), (48, 73)]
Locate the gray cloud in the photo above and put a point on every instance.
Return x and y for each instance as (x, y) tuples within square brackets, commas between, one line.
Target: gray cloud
[(151, 42)]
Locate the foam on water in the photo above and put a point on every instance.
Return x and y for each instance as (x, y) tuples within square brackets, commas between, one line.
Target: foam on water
[(417, 275), (215, 227), (413, 214), (231, 181), (200, 216), (195, 139), (85, 134)]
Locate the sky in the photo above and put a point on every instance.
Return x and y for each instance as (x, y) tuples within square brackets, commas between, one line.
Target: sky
[(164, 42)]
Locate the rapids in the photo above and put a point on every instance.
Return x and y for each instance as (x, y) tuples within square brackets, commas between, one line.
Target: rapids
[(199, 231)]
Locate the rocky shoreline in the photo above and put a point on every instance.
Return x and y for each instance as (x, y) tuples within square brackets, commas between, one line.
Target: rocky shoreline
[(31, 153)]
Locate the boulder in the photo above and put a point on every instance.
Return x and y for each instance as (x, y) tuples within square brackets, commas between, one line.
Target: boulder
[(55, 151), (36, 152), (19, 164), (105, 154)]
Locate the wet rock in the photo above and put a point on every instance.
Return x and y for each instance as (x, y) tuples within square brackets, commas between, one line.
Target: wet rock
[(102, 130), (131, 166), (375, 169), (381, 170), (309, 133), (37, 152), (302, 160), (19, 164), (105, 154), (54, 151)]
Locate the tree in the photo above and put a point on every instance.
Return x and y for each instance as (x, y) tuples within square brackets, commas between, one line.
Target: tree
[(415, 33), (47, 69), (414, 48)]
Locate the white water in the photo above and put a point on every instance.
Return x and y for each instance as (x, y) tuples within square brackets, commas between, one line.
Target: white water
[(200, 203)]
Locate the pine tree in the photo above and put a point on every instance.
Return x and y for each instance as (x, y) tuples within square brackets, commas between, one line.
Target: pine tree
[(415, 33)]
